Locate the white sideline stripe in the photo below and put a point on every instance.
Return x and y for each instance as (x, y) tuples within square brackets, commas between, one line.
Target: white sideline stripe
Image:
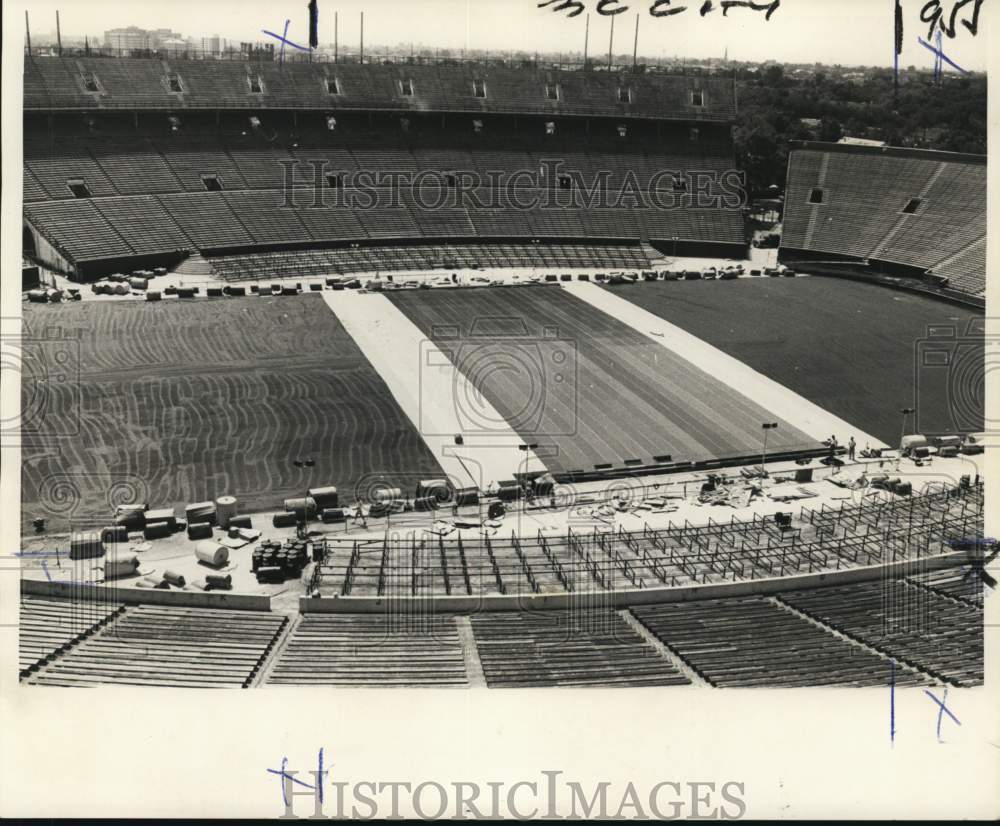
[(810, 418), (425, 384)]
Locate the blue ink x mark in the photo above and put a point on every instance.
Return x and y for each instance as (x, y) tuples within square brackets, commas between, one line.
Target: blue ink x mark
[(283, 773), (942, 709), (940, 55), (284, 40)]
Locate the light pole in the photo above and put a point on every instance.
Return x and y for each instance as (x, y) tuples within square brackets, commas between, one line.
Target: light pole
[(906, 411), (766, 426)]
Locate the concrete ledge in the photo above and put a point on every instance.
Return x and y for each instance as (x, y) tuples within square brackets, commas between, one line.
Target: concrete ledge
[(623, 599), (141, 596)]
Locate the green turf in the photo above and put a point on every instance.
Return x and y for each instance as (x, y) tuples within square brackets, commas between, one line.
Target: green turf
[(854, 349)]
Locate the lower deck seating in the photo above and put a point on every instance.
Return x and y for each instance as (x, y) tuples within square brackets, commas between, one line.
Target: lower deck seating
[(959, 583), (253, 266), (370, 650), (567, 648), (916, 626), (49, 626), (168, 646), (752, 641)]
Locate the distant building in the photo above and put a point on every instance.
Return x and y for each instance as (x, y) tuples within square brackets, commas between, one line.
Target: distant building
[(213, 45), (861, 142), (133, 38)]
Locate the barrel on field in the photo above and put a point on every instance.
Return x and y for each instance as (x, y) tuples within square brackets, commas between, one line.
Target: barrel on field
[(240, 522), (200, 512), (383, 495), (153, 295), (425, 503), (302, 507), (284, 520), (132, 517), (467, 496), (162, 515), (114, 533), (199, 530), (225, 509), (437, 488), (117, 567), (158, 530), (509, 490), (334, 515), (85, 546), (212, 553), (325, 497)]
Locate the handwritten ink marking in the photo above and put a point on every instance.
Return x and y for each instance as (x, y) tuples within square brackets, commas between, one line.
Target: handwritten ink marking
[(602, 7), (939, 56), (284, 775), (942, 710), (283, 39), (770, 8), (897, 44), (658, 8), (576, 6), (933, 14)]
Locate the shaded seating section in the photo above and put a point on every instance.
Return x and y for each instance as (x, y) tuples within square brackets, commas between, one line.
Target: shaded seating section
[(751, 641), (519, 649), (58, 164), (49, 627), (371, 650), (77, 229), (206, 219), (961, 583), (169, 646), (966, 271), (916, 626), (210, 84), (252, 266), (916, 208), (144, 223), (137, 167)]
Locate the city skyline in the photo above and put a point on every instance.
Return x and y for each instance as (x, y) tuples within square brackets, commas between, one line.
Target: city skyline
[(807, 34)]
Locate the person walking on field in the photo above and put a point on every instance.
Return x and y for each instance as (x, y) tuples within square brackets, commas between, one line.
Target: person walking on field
[(851, 445)]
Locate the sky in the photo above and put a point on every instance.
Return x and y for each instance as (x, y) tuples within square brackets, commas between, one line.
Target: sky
[(849, 32)]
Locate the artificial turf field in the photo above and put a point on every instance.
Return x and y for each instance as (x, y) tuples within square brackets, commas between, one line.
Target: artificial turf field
[(849, 347), (179, 402), (588, 389)]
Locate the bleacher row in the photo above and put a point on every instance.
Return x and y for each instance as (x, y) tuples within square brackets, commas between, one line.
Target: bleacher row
[(136, 165), (408, 258), (863, 195), (862, 634), (102, 228), (53, 83), (143, 644), (872, 533)]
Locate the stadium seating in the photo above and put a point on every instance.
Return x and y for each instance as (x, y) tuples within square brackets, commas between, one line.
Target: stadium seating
[(143, 83), (752, 641), (252, 266), (168, 646), (47, 627), (921, 209), (914, 625), (371, 650), (519, 649)]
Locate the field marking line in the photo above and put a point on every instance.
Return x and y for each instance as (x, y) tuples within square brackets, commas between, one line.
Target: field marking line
[(425, 384), (783, 402)]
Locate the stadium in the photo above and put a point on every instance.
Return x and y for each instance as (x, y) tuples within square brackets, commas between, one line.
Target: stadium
[(462, 374)]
